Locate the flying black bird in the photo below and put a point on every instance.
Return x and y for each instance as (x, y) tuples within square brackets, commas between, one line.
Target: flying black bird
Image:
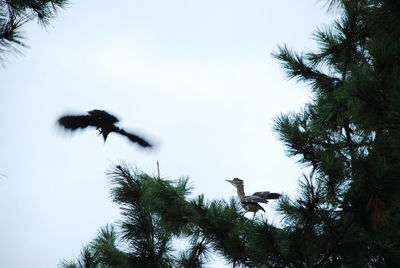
[(103, 122)]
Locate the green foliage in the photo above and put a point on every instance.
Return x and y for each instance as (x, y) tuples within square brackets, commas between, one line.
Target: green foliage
[(156, 211), (87, 259), (348, 206), (15, 13), (105, 248)]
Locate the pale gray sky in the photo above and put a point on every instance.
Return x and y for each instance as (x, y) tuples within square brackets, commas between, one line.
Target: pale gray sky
[(196, 77)]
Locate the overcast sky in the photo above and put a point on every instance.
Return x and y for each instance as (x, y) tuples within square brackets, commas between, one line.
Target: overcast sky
[(196, 77)]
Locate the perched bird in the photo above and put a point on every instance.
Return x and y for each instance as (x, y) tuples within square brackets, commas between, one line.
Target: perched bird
[(251, 202), (103, 122)]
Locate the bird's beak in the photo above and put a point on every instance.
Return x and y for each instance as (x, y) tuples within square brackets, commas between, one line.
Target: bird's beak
[(230, 181)]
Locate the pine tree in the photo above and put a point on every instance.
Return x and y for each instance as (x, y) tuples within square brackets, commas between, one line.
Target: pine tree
[(156, 211), (348, 212), (141, 240)]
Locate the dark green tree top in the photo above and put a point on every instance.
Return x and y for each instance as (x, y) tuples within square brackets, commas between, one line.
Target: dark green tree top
[(349, 136)]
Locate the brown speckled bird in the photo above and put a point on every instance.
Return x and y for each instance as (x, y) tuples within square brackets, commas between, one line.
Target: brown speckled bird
[(251, 202)]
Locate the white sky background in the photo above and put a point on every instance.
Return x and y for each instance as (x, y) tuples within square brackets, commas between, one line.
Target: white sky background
[(196, 77)]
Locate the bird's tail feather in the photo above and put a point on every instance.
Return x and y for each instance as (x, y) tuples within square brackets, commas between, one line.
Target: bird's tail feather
[(134, 138)]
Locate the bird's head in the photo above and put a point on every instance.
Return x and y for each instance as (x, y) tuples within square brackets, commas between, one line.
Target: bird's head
[(235, 182), (103, 116)]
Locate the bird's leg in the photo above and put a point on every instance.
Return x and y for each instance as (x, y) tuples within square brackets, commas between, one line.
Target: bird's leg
[(100, 130)]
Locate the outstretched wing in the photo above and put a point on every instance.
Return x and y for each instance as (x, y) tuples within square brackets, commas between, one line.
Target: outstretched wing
[(73, 122), (134, 138), (267, 195), (254, 199)]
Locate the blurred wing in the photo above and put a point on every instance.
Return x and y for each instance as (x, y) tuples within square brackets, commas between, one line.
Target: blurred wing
[(267, 195), (134, 138), (74, 122), (254, 199)]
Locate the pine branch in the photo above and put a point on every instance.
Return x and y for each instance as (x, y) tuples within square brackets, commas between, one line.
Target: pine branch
[(297, 66), (15, 13)]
